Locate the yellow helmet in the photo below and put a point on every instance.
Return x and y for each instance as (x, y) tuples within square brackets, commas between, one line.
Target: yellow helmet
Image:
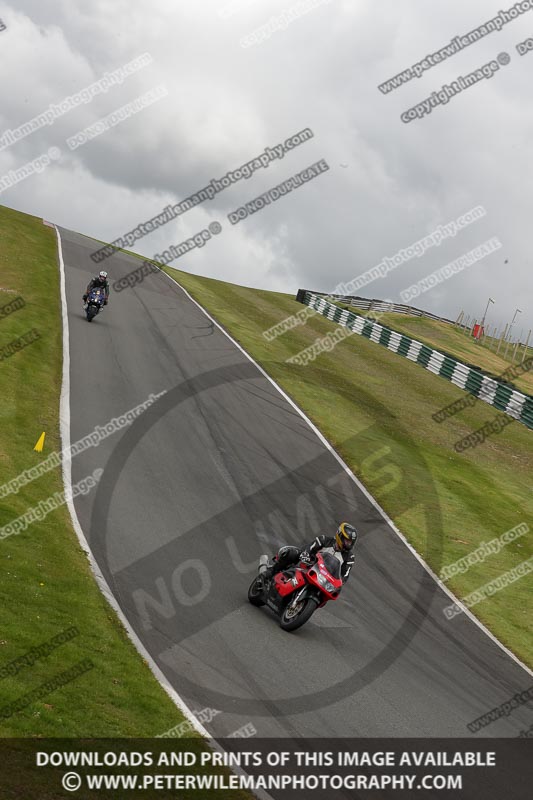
[(346, 537)]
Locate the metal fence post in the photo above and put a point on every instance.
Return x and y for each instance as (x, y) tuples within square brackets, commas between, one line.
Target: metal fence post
[(502, 338), (526, 347)]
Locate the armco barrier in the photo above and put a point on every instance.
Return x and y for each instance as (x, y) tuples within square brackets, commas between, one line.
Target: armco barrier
[(382, 306), (496, 393)]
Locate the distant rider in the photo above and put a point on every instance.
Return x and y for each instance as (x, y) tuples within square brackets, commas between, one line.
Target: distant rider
[(100, 282), (341, 546)]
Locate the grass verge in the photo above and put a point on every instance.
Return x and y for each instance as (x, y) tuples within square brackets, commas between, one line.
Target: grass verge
[(47, 586)]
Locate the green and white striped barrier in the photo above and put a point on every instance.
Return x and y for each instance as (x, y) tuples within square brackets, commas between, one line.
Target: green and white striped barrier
[(470, 379)]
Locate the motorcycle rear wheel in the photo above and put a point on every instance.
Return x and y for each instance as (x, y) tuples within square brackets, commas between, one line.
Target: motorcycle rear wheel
[(290, 620), (255, 593)]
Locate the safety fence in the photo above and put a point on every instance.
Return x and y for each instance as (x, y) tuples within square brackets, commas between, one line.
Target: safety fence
[(471, 379), (382, 306)]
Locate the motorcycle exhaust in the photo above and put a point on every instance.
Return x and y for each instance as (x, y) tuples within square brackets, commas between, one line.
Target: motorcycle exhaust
[(263, 563)]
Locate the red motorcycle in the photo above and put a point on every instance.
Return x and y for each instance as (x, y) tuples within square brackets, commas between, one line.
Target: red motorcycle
[(296, 593)]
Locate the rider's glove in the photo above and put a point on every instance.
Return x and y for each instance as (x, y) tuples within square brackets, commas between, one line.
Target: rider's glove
[(306, 557), (84, 298)]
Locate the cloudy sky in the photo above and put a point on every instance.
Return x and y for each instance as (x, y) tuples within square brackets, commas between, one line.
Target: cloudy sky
[(230, 94)]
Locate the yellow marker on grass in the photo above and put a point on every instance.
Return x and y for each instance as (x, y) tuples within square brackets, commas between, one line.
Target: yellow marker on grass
[(40, 444)]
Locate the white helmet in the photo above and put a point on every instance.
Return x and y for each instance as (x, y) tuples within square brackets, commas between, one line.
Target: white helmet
[(102, 274)]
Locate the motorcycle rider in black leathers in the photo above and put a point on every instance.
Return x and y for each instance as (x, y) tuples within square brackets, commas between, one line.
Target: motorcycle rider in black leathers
[(99, 282), (342, 544)]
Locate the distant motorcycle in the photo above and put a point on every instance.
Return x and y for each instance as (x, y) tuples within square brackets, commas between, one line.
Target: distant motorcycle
[(296, 593), (95, 302)]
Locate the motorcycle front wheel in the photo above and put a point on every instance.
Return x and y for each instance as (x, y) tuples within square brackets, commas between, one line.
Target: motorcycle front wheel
[(255, 593), (297, 614)]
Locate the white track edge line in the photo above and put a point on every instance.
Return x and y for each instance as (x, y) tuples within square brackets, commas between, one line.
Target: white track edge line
[(358, 483), (64, 418)]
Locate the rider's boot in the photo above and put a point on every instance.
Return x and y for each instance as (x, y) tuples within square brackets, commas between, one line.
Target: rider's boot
[(268, 571)]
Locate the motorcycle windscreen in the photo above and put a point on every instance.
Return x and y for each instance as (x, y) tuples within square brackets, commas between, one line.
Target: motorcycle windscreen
[(97, 295), (332, 564)]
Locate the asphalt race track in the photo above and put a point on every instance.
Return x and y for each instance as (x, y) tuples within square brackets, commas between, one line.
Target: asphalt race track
[(220, 469)]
